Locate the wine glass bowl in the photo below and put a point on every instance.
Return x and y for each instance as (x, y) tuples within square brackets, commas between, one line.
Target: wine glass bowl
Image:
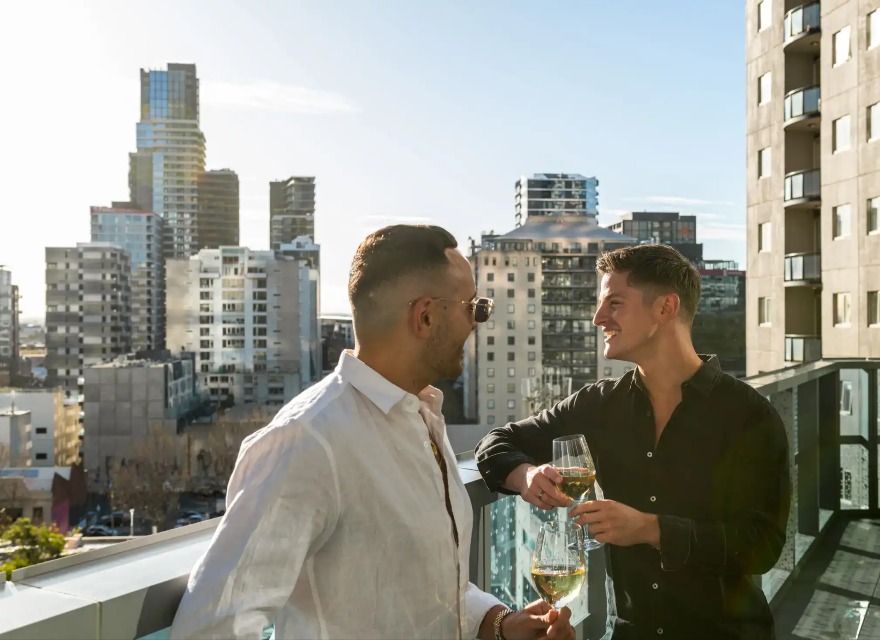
[(558, 566)]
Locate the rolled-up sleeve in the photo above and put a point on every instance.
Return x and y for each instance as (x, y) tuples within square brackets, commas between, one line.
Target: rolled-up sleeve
[(282, 505), (477, 605), (755, 491)]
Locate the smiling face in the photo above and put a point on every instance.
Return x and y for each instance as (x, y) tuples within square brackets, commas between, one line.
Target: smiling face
[(629, 317)]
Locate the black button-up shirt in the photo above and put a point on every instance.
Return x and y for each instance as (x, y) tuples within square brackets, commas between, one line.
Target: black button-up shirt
[(718, 479)]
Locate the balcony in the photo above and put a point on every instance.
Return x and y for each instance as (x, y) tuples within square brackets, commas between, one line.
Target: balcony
[(799, 348), (830, 412), (803, 189), (802, 109), (802, 29), (803, 269)]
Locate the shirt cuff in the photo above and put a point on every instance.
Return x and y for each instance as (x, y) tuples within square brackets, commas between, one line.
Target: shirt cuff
[(675, 542), (477, 604), (495, 469)]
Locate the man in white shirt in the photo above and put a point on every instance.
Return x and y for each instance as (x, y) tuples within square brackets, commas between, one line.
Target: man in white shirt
[(346, 516)]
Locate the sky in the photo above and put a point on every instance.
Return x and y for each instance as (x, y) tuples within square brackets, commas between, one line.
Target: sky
[(405, 111)]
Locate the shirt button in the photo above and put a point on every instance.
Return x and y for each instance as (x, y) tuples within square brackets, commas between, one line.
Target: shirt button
[(648, 414), (650, 454), (655, 586), (653, 498), (427, 444), (660, 631)]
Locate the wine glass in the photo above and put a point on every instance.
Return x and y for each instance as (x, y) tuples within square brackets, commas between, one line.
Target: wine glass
[(558, 566), (571, 457)]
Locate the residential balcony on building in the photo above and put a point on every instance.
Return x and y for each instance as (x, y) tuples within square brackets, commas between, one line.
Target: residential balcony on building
[(813, 159), (245, 315), (556, 194), (88, 309)]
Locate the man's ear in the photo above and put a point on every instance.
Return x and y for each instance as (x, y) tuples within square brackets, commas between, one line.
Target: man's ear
[(670, 307), (421, 317)]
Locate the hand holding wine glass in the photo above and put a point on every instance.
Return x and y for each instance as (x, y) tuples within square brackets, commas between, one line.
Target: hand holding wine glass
[(558, 566), (573, 461)]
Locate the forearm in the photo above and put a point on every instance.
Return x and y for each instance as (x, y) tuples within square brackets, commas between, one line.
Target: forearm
[(516, 479)]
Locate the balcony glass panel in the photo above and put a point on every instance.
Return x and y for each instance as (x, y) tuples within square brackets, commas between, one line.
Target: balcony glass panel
[(801, 20), (802, 184), (806, 266), (853, 476), (801, 102)]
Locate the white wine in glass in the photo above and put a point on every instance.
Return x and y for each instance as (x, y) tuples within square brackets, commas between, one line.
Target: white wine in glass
[(558, 567), (572, 459)]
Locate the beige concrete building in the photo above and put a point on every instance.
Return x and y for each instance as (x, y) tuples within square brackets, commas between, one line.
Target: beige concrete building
[(813, 158), (55, 424)]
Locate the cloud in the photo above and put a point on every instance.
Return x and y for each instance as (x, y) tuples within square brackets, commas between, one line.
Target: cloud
[(266, 95), (678, 201)]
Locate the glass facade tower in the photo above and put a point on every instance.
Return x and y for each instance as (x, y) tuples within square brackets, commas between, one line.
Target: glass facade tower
[(170, 157)]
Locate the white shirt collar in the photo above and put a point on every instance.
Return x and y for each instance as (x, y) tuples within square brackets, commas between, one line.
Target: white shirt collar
[(382, 392)]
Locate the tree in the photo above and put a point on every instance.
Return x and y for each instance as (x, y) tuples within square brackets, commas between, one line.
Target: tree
[(12, 490), (217, 459), (150, 479), (35, 543)]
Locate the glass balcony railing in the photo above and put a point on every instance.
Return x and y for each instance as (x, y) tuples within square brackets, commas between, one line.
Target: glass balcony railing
[(803, 266), (829, 410), (803, 184), (801, 20), (802, 348), (802, 102)]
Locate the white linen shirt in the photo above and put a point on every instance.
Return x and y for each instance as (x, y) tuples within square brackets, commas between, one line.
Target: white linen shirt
[(336, 524)]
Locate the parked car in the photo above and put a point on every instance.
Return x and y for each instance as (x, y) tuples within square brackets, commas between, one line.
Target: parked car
[(99, 530), (189, 518)]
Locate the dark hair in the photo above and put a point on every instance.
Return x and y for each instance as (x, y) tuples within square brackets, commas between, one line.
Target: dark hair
[(659, 269), (393, 252)]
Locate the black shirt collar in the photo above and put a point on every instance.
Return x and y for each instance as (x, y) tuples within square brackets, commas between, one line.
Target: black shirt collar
[(703, 380)]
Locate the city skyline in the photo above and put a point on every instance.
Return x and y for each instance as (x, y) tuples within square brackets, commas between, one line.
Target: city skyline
[(402, 115)]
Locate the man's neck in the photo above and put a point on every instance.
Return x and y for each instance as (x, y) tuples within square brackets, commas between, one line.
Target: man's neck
[(665, 371), (392, 364)]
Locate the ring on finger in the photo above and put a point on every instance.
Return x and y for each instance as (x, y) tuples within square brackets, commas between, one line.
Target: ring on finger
[(541, 494)]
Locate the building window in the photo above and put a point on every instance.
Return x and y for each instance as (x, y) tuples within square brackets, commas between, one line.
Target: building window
[(840, 42), (511, 372), (490, 293), (490, 388), (873, 222), (764, 14), (764, 88), (873, 29), (874, 308), (511, 340), (873, 124), (531, 308), (490, 324), (510, 277), (764, 162), (531, 340), (842, 310), (490, 372), (511, 308), (532, 372), (41, 456), (511, 387), (511, 404), (490, 404), (490, 356), (607, 371), (532, 356), (846, 397), (530, 277), (490, 277), (510, 293), (764, 311), (531, 293), (511, 324), (511, 356), (765, 236), (842, 219), (490, 420), (490, 340), (840, 135), (531, 324), (41, 431)]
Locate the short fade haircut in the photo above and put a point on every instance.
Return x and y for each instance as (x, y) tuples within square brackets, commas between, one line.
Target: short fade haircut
[(657, 269), (389, 254)]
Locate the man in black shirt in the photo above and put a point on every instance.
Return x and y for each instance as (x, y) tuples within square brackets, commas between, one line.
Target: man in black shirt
[(692, 464)]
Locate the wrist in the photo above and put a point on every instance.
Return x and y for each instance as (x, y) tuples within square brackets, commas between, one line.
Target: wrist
[(516, 479), (502, 629), (651, 529)]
